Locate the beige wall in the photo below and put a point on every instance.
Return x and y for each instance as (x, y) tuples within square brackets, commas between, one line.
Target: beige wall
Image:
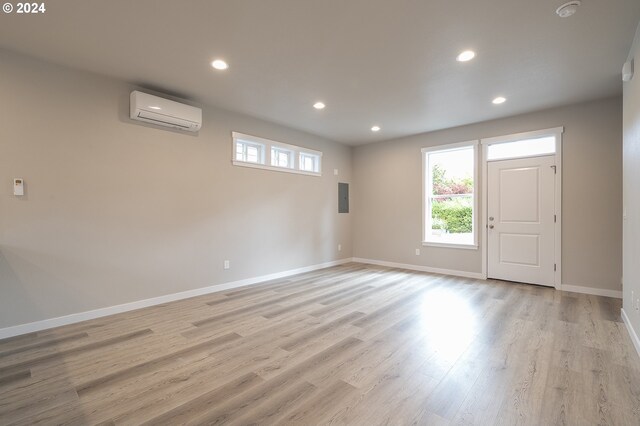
[(631, 183), (388, 193), (116, 211)]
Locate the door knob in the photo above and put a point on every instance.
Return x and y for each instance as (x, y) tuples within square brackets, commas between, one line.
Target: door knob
[(490, 226)]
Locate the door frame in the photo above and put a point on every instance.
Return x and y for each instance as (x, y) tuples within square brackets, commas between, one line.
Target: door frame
[(485, 143)]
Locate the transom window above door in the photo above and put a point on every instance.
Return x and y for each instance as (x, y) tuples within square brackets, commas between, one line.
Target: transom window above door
[(522, 145), (522, 148)]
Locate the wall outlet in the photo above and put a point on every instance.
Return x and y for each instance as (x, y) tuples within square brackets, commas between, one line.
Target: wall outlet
[(227, 264), (638, 304), (339, 247), (417, 252)]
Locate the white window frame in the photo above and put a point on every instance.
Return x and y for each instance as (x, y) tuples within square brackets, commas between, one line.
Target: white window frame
[(555, 131), (268, 145), (246, 143), (535, 138), (290, 154), (426, 218), (314, 157)]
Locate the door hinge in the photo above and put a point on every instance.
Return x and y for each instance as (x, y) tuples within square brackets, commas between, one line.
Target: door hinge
[(555, 170), (555, 218), (555, 267)]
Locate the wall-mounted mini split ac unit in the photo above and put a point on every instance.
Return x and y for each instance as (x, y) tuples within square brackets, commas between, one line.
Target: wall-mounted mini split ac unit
[(164, 112)]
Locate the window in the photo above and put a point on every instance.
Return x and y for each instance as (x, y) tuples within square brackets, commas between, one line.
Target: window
[(281, 157), (252, 151), (309, 162), (522, 148), (450, 203), (249, 152)]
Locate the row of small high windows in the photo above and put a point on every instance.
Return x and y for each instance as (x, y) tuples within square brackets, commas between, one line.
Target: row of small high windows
[(263, 153)]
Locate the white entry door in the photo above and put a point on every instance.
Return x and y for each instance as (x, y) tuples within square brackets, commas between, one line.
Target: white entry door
[(521, 220)]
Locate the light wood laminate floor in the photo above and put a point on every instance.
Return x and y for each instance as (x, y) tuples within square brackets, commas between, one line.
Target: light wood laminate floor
[(352, 344)]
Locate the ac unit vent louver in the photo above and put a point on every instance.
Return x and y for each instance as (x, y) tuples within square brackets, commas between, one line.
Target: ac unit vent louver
[(164, 112)]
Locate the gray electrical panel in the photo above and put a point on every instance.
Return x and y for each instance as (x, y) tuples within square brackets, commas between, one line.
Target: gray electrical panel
[(343, 197)]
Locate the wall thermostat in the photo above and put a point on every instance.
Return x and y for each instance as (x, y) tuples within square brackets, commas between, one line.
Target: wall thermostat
[(18, 186)]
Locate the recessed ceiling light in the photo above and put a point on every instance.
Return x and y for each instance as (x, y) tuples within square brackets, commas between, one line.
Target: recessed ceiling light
[(155, 107), (219, 64), (499, 100), (375, 129), (568, 9), (465, 56), (319, 105)]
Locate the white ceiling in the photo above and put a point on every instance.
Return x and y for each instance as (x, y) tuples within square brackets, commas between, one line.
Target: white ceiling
[(385, 62)]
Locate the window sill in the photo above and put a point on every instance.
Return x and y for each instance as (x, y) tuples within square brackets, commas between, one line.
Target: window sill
[(451, 245), (274, 168)]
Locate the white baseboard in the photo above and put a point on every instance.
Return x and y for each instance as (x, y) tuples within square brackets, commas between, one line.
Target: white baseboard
[(476, 275), (591, 290), (630, 329), (111, 310)]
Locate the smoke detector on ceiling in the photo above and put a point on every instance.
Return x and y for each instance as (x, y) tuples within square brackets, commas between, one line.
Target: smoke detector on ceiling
[(568, 9)]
